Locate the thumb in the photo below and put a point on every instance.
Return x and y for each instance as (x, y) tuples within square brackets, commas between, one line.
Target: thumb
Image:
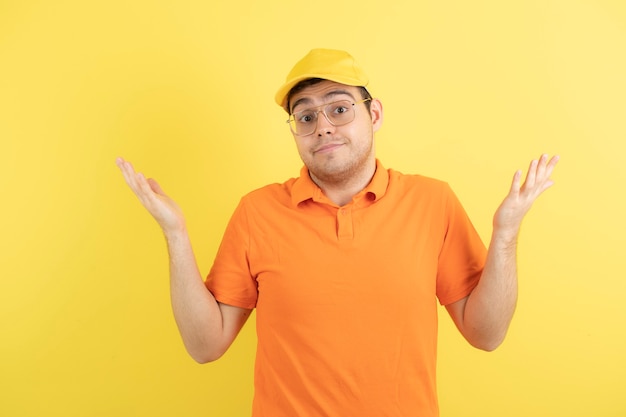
[(156, 187)]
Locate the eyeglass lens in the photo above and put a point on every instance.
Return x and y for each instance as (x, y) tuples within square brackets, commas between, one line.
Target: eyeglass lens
[(338, 113)]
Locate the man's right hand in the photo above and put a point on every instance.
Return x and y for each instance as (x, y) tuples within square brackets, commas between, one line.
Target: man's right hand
[(164, 210), (207, 327)]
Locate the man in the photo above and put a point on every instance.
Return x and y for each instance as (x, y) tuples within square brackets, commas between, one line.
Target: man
[(345, 263)]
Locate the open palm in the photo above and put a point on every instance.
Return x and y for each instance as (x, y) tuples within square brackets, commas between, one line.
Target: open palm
[(164, 210), (521, 197)]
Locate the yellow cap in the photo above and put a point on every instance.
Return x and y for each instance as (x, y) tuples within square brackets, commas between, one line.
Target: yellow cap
[(328, 64)]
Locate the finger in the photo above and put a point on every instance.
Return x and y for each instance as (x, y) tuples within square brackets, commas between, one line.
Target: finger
[(541, 167), (547, 182), (515, 184), (547, 185), (551, 165), (544, 171), (531, 175), (135, 180), (144, 185), (128, 172)]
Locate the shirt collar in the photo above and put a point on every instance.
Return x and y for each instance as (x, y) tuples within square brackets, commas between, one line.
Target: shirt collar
[(305, 189)]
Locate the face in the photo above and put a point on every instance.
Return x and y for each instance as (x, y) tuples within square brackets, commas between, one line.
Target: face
[(337, 154)]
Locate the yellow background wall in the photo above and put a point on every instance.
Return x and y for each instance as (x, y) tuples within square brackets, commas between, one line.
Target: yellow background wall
[(472, 91)]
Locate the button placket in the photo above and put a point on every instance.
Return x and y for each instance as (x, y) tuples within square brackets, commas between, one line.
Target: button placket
[(345, 228)]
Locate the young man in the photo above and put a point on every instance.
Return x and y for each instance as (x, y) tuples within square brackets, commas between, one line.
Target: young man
[(345, 263)]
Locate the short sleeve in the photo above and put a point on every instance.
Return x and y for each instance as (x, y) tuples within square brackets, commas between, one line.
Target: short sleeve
[(462, 257), (230, 280)]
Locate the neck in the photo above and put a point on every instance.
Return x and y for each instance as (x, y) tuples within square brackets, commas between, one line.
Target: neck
[(341, 190)]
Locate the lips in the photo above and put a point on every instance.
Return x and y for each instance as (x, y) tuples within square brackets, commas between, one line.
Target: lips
[(328, 147)]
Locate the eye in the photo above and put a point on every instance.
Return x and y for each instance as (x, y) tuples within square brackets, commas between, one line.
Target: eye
[(341, 108), (305, 117)]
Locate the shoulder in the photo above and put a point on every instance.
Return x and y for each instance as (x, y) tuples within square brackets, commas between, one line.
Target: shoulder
[(415, 182), (416, 190), (271, 193)]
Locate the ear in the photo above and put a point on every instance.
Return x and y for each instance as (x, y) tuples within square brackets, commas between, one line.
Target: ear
[(376, 113)]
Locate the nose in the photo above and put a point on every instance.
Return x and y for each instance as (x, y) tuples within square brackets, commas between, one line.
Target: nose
[(323, 125)]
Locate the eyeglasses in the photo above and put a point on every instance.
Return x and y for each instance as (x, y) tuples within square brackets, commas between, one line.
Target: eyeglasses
[(338, 113)]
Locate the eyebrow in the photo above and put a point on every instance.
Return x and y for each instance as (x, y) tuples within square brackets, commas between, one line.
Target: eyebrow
[(330, 94)]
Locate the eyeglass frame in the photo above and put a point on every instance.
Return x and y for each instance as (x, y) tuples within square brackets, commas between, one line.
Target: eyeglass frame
[(322, 109)]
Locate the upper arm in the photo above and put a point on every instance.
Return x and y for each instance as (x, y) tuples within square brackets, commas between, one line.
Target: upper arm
[(456, 311), (233, 319)]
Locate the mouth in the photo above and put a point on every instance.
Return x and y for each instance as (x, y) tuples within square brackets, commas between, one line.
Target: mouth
[(328, 147)]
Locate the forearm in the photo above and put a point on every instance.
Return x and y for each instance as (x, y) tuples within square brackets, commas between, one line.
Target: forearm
[(491, 305), (484, 316), (196, 311), (206, 326)]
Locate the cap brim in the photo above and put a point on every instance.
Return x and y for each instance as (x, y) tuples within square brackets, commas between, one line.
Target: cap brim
[(283, 92)]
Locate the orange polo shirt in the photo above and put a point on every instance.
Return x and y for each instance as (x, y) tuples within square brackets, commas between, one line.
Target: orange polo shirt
[(346, 297)]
